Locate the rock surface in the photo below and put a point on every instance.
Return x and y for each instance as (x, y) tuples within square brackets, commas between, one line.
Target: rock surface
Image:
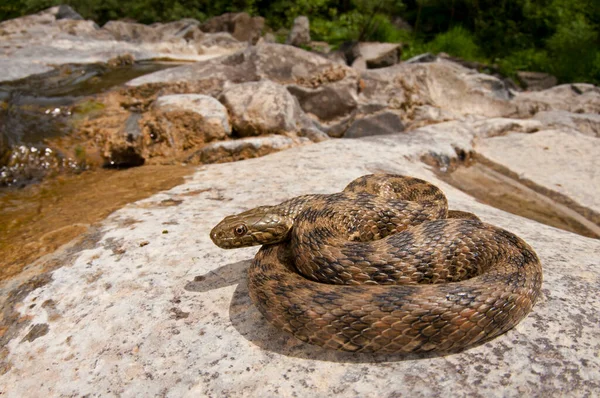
[(277, 62), (300, 33), (147, 305), (153, 307), (586, 123), (37, 43), (244, 148), (332, 98), (261, 108), (537, 81), (569, 164), (456, 90), (574, 98), (378, 124), (199, 114), (328, 101)]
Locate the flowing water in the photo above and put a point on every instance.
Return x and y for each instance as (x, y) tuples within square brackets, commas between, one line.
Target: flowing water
[(40, 107), (36, 218)]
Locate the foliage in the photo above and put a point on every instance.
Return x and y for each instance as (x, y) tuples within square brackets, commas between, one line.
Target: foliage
[(529, 59), (573, 47), (555, 36), (458, 42)]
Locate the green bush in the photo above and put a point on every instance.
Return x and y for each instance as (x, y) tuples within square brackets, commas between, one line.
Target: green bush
[(336, 30), (357, 25), (595, 72), (573, 50), (383, 30), (530, 59), (143, 11), (458, 42), (555, 36)]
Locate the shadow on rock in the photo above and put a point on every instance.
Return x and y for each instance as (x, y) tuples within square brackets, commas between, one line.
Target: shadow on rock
[(250, 323)]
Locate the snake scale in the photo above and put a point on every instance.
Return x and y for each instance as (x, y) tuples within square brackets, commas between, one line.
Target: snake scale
[(384, 267)]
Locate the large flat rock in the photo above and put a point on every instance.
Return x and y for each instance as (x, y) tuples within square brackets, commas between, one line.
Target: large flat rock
[(566, 162), (154, 308)]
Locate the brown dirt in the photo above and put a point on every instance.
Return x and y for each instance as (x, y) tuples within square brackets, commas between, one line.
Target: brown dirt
[(38, 219)]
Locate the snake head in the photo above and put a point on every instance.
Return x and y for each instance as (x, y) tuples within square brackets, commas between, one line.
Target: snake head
[(259, 226)]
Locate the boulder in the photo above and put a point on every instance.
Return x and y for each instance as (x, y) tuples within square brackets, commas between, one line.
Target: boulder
[(206, 77), (132, 32), (574, 98), (323, 88), (329, 101), (377, 55), (300, 33), (241, 25), (148, 305), (277, 62), (51, 23), (261, 108), (445, 85), (187, 28), (177, 126), (536, 81), (290, 65), (199, 117)]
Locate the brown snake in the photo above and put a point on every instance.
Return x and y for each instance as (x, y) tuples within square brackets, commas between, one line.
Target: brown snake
[(384, 267)]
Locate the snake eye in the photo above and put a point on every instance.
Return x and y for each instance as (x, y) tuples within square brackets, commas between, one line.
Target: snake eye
[(240, 230)]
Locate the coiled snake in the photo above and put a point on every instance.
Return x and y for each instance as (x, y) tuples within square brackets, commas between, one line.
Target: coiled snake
[(384, 267)]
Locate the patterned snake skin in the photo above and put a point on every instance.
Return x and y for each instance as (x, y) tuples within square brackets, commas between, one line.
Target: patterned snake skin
[(384, 267)]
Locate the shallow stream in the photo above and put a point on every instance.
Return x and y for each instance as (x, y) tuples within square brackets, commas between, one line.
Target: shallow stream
[(40, 107)]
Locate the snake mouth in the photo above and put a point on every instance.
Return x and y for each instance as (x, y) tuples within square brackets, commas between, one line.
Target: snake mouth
[(223, 241), (228, 241)]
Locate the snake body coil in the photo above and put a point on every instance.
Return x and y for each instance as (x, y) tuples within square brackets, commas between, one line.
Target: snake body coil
[(384, 267)]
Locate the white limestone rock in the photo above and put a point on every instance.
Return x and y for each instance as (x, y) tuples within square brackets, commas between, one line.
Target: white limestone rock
[(563, 162), (261, 108), (144, 312)]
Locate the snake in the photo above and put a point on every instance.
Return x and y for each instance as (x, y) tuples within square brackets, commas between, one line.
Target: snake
[(384, 267)]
